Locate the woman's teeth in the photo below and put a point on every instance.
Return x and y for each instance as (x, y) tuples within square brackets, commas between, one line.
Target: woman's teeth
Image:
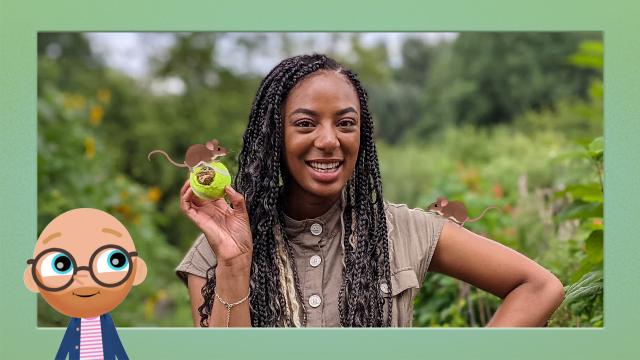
[(324, 167)]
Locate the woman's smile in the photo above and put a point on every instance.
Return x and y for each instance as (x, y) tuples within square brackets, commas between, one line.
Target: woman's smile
[(325, 170)]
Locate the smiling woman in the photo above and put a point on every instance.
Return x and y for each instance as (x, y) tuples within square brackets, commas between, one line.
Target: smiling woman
[(310, 241)]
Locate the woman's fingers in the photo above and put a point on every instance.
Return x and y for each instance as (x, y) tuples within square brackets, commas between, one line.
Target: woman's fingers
[(237, 200), (199, 210), (226, 228), (184, 188), (185, 203)]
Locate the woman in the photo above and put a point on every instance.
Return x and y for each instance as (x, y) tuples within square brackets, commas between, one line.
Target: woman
[(314, 244)]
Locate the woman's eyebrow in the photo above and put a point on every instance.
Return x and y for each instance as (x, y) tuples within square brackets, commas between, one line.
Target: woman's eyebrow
[(303, 111), (313, 113), (346, 110)]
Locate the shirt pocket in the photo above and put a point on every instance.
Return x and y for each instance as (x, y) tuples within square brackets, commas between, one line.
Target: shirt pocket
[(404, 286)]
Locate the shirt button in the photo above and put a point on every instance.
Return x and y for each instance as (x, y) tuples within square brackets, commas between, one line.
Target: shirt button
[(77, 329), (315, 260), (77, 347), (384, 287), (316, 229), (314, 301)]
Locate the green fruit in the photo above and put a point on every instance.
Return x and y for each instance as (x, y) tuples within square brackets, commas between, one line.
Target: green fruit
[(208, 180)]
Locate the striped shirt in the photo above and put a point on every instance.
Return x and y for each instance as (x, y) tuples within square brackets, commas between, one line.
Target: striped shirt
[(91, 339)]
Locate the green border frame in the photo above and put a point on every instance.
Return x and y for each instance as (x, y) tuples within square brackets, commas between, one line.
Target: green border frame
[(21, 20)]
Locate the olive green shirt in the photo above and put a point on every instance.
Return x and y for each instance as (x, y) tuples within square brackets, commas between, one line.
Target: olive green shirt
[(317, 249)]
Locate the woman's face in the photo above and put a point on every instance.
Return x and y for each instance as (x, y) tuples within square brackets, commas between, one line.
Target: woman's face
[(321, 134)]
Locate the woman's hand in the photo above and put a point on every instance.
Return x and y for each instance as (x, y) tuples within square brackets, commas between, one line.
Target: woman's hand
[(227, 229)]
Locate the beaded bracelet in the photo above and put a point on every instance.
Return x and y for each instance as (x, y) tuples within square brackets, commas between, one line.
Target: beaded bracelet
[(228, 306)]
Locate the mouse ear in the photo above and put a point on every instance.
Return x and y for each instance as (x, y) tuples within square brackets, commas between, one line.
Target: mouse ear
[(210, 145), (444, 202)]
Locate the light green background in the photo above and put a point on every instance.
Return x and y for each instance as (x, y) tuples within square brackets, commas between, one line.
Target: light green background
[(21, 20)]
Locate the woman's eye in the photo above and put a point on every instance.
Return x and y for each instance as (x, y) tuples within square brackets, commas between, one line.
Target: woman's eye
[(112, 260), (304, 123), (346, 122), (56, 264)]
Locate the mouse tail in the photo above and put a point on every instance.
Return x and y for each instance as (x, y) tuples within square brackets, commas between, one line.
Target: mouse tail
[(167, 156), (482, 214)]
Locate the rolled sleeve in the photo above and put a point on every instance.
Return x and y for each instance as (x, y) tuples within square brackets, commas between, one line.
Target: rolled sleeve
[(198, 260), (414, 236), (433, 229)]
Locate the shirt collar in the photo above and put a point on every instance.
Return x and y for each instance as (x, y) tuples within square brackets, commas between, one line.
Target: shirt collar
[(329, 219)]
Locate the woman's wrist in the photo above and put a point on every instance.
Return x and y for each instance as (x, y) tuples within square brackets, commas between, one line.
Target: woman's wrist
[(232, 277), (238, 265)]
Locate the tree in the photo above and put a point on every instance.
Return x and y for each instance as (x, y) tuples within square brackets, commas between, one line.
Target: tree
[(488, 78)]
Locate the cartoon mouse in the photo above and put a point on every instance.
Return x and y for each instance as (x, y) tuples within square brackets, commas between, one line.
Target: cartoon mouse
[(197, 154), (455, 210)]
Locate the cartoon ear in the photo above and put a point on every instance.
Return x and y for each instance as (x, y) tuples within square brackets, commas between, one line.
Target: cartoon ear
[(444, 202), (141, 271), (29, 282)]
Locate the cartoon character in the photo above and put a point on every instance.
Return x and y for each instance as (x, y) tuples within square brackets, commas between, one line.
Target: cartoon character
[(84, 265)]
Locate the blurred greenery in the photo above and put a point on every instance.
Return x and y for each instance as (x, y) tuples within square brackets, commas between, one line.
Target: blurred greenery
[(506, 119)]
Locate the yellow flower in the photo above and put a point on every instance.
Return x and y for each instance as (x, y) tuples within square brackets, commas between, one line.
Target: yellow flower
[(154, 194), (104, 96), (96, 114), (153, 302), (89, 147), (125, 210), (73, 102)]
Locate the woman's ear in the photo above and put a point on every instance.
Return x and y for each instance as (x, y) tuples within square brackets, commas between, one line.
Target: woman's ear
[(141, 271), (28, 280)]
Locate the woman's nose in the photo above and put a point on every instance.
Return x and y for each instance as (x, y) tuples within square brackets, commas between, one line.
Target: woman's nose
[(327, 139)]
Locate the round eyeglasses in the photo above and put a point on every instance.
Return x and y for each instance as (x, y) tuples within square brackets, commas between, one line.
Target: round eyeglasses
[(54, 269)]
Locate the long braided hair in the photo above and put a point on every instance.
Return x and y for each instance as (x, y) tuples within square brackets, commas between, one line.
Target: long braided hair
[(276, 298)]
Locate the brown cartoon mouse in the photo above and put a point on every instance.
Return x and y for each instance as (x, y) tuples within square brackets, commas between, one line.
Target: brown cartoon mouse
[(196, 154), (455, 210)]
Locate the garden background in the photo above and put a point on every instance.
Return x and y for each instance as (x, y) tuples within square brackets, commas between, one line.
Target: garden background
[(507, 119)]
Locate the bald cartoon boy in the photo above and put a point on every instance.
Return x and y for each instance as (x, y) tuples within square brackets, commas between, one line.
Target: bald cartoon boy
[(84, 265)]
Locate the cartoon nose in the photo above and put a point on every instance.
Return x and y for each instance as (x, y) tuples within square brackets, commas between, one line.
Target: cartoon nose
[(82, 275)]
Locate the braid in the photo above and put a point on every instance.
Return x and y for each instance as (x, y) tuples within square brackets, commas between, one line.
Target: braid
[(276, 298)]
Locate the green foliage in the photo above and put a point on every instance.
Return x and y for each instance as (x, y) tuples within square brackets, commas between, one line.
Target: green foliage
[(489, 78), (583, 300)]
